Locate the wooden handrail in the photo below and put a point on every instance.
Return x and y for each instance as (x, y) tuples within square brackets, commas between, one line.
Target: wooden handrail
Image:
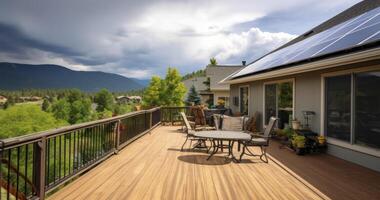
[(30, 138)]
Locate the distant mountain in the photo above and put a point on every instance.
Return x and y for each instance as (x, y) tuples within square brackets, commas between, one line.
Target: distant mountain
[(23, 76), (143, 82)]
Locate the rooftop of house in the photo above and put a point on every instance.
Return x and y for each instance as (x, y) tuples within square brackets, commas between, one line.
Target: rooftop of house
[(216, 75), (284, 61)]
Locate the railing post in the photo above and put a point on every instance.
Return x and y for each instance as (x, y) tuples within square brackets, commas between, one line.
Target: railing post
[(151, 119), (39, 179), (117, 136)]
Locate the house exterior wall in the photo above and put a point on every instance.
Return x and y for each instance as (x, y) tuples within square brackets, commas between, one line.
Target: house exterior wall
[(218, 94), (308, 96)]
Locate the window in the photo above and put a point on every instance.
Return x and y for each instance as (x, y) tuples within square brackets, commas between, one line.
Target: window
[(338, 107), (244, 100), (352, 108), (367, 109), (279, 102)]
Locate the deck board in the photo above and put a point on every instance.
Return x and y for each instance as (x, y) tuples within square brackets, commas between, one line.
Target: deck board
[(153, 168)]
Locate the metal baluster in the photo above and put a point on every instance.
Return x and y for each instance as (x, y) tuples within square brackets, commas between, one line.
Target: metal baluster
[(18, 172)]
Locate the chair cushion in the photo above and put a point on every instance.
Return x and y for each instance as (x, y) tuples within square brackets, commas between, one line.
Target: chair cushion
[(232, 123), (259, 141)]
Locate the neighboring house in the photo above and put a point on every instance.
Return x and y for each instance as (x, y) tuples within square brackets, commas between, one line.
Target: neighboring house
[(122, 99), (128, 99), (3, 99), (218, 90), (30, 99), (332, 70)]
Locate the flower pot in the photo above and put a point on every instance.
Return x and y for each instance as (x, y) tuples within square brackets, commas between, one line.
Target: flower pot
[(321, 140), (296, 124)]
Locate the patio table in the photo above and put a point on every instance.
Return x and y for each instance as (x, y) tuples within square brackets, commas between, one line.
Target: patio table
[(230, 136)]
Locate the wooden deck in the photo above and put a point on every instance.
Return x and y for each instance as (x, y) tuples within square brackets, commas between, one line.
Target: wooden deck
[(153, 167), (337, 178)]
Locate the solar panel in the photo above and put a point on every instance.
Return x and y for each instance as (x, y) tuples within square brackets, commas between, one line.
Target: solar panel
[(357, 31)]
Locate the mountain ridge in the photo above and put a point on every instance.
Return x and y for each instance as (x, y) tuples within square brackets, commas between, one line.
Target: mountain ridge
[(16, 76)]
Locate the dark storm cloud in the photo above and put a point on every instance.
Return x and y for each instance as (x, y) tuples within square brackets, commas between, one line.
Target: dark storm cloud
[(14, 41), (142, 38)]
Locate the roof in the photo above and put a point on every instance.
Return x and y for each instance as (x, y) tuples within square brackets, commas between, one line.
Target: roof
[(216, 75), (275, 60)]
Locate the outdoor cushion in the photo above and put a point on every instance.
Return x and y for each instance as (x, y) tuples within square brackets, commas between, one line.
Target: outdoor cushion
[(232, 123), (259, 141)]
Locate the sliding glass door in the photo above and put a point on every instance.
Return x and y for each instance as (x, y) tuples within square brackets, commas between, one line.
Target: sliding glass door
[(352, 108), (244, 96), (367, 109), (279, 102), (338, 107)]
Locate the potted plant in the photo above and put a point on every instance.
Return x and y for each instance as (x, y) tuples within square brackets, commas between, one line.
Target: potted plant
[(299, 141), (296, 124)]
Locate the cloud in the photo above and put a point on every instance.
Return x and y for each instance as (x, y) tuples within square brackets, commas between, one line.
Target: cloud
[(142, 38)]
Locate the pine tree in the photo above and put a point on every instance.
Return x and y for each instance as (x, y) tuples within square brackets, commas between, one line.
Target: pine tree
[(193, 96)]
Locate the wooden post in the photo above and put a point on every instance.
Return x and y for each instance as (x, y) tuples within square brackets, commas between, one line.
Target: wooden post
[(39, 162), (151, 119), (117, 136)]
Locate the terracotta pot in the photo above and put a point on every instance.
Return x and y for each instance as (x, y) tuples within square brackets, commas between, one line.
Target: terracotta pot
[(296, 124)]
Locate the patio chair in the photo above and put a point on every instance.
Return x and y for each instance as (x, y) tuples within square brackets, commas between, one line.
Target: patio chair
[(200, 123), (259, 140), (189, 132)]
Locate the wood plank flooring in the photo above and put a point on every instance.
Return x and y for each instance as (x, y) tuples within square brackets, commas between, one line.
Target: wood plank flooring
[(153, 167)]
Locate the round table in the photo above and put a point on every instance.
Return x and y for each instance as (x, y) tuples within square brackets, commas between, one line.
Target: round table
[(230, 136)]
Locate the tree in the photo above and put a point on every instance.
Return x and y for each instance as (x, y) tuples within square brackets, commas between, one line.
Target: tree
[(167, 92), (174, 89), (23, 119), (45, 105), (61, 109), (193, 96), (104, 100), (213, 61), (80, 111), (75, 108), (153, 94)]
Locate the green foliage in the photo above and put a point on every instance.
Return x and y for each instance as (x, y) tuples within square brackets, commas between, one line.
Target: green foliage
[(298, 141), (288, 133), (23, 119), (207, 83), (61, 109), (154, 93), (213, 61), (45, 105), (174, 89), (193, 96), (104, 100), (74, 108), (104, 114), (80, 111), (285, 98), (124, 108), (167, 92), (199, 73)]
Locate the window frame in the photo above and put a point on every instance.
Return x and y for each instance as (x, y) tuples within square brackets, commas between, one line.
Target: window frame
[(351, 144), (248, 89), (293, 81)]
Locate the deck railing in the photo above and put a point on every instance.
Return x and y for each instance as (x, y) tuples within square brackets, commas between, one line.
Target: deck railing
[(33, 165)]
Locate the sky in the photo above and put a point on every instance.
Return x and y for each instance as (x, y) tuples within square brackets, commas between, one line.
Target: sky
[(142, 38)]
